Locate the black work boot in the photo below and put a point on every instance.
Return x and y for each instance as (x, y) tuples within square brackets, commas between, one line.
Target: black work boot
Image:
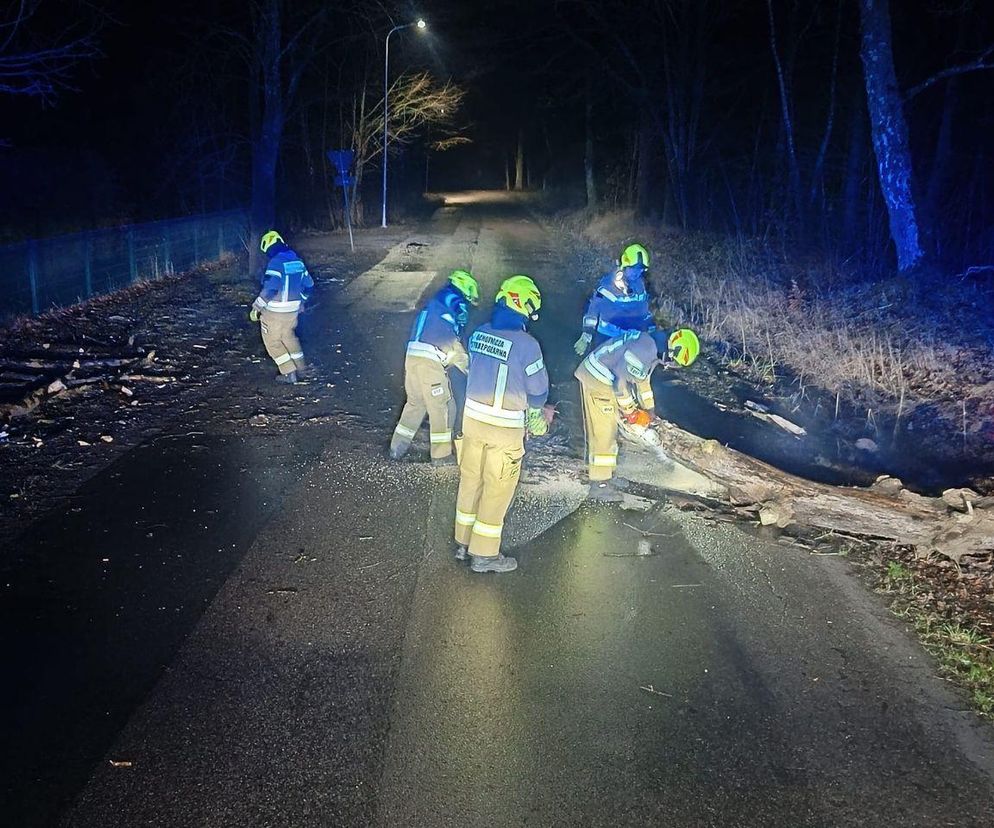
[(442, 462), (461, 553), (288, 379), (397, 453), (495, 563)]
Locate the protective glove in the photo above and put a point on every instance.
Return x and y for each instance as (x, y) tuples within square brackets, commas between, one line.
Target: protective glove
[(254, 315), (583, 343), (639, 418), (536, 422)]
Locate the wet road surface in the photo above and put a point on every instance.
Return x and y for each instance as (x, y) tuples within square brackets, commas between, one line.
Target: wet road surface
[(301, 649)]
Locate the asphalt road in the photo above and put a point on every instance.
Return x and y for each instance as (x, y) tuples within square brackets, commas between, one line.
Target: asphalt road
[(279, 637)]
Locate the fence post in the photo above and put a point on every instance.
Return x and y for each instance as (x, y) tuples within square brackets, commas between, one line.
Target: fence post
[(88, 264), (33, 275), (132, 263)]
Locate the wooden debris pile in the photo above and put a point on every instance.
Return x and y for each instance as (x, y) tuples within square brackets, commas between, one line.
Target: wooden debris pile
[(32, 375)]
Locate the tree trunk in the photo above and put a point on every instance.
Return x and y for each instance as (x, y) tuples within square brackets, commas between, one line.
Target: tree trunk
[(266, 141), (793, 170), (519, 162), (890, 132), (947, 525), (647, 161), (818, 176), (853, 189), (265, 153), (588, 154)]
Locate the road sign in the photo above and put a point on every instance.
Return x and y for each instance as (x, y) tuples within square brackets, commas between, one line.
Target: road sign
[(341, 160)]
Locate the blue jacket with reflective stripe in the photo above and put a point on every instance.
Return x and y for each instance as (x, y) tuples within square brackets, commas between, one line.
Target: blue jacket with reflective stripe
[(612, 310), (623, 362), (285, 284), (507, 374), (437, 329)]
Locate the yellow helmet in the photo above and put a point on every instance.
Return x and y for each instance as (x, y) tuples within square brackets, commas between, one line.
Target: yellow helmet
[(463, 281), (270, 238), (683, 346), (521, 294), (632, 255)]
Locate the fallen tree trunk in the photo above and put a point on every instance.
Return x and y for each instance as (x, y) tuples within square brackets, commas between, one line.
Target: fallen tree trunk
[(959, 524)]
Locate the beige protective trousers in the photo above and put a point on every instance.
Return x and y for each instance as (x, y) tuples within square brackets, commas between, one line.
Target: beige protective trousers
[(489, 467), (428, 391), (600, 426), (279, 335)]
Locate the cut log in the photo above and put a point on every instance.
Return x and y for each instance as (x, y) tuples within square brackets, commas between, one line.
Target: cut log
[(777, 498), (48, 366), (160, 379)]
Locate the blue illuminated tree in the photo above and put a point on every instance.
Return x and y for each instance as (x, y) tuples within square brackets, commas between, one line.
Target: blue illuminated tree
[(890, 132)]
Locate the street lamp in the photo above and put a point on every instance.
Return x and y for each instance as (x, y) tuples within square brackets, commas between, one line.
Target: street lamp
[(386, 94)]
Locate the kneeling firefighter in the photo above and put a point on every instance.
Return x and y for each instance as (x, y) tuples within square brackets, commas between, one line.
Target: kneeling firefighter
[(506, 393), (616, 377), (435, 349), (285, 288)]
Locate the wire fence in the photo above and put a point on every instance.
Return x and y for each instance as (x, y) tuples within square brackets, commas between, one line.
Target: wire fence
[(40, 274)]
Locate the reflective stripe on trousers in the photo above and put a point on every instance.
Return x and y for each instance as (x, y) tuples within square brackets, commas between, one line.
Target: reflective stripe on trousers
[(428, 392), (600, 428), (279, 335), (489, 467)]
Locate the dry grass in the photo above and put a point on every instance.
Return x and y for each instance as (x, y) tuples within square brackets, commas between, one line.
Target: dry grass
[(878, 344)]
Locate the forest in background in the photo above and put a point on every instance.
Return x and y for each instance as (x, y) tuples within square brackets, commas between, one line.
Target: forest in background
[(758, 118)]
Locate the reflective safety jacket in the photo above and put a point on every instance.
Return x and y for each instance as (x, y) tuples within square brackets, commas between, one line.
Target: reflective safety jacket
[(625, 363), (507, 374), (612, 310), (286, 283), (437, 330)]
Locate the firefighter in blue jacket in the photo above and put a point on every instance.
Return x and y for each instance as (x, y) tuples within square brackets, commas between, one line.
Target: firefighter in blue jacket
[(435, 353), (506, 394), (615, 378), (285, 287), (620, 302)]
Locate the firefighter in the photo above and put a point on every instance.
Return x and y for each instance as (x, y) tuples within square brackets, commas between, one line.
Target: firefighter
[(506, 394), (285, 288), (615, 377), (620, 302), (434, 350)]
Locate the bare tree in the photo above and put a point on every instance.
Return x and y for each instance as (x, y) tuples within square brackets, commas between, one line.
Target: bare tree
[(590, 183), (417, 101), (41, 66), (889, 131), (794, 170), (282, 50)]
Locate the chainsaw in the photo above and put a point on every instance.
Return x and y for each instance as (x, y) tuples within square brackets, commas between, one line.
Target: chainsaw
[(640, 428)]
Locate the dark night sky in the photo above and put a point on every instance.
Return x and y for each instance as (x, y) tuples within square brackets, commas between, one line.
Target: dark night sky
[(111, 149)]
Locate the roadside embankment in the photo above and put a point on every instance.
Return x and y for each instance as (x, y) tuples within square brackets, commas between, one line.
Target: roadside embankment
[(900, 371)]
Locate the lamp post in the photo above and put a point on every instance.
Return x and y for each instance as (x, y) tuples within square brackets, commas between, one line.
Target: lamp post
[(386, 112)]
